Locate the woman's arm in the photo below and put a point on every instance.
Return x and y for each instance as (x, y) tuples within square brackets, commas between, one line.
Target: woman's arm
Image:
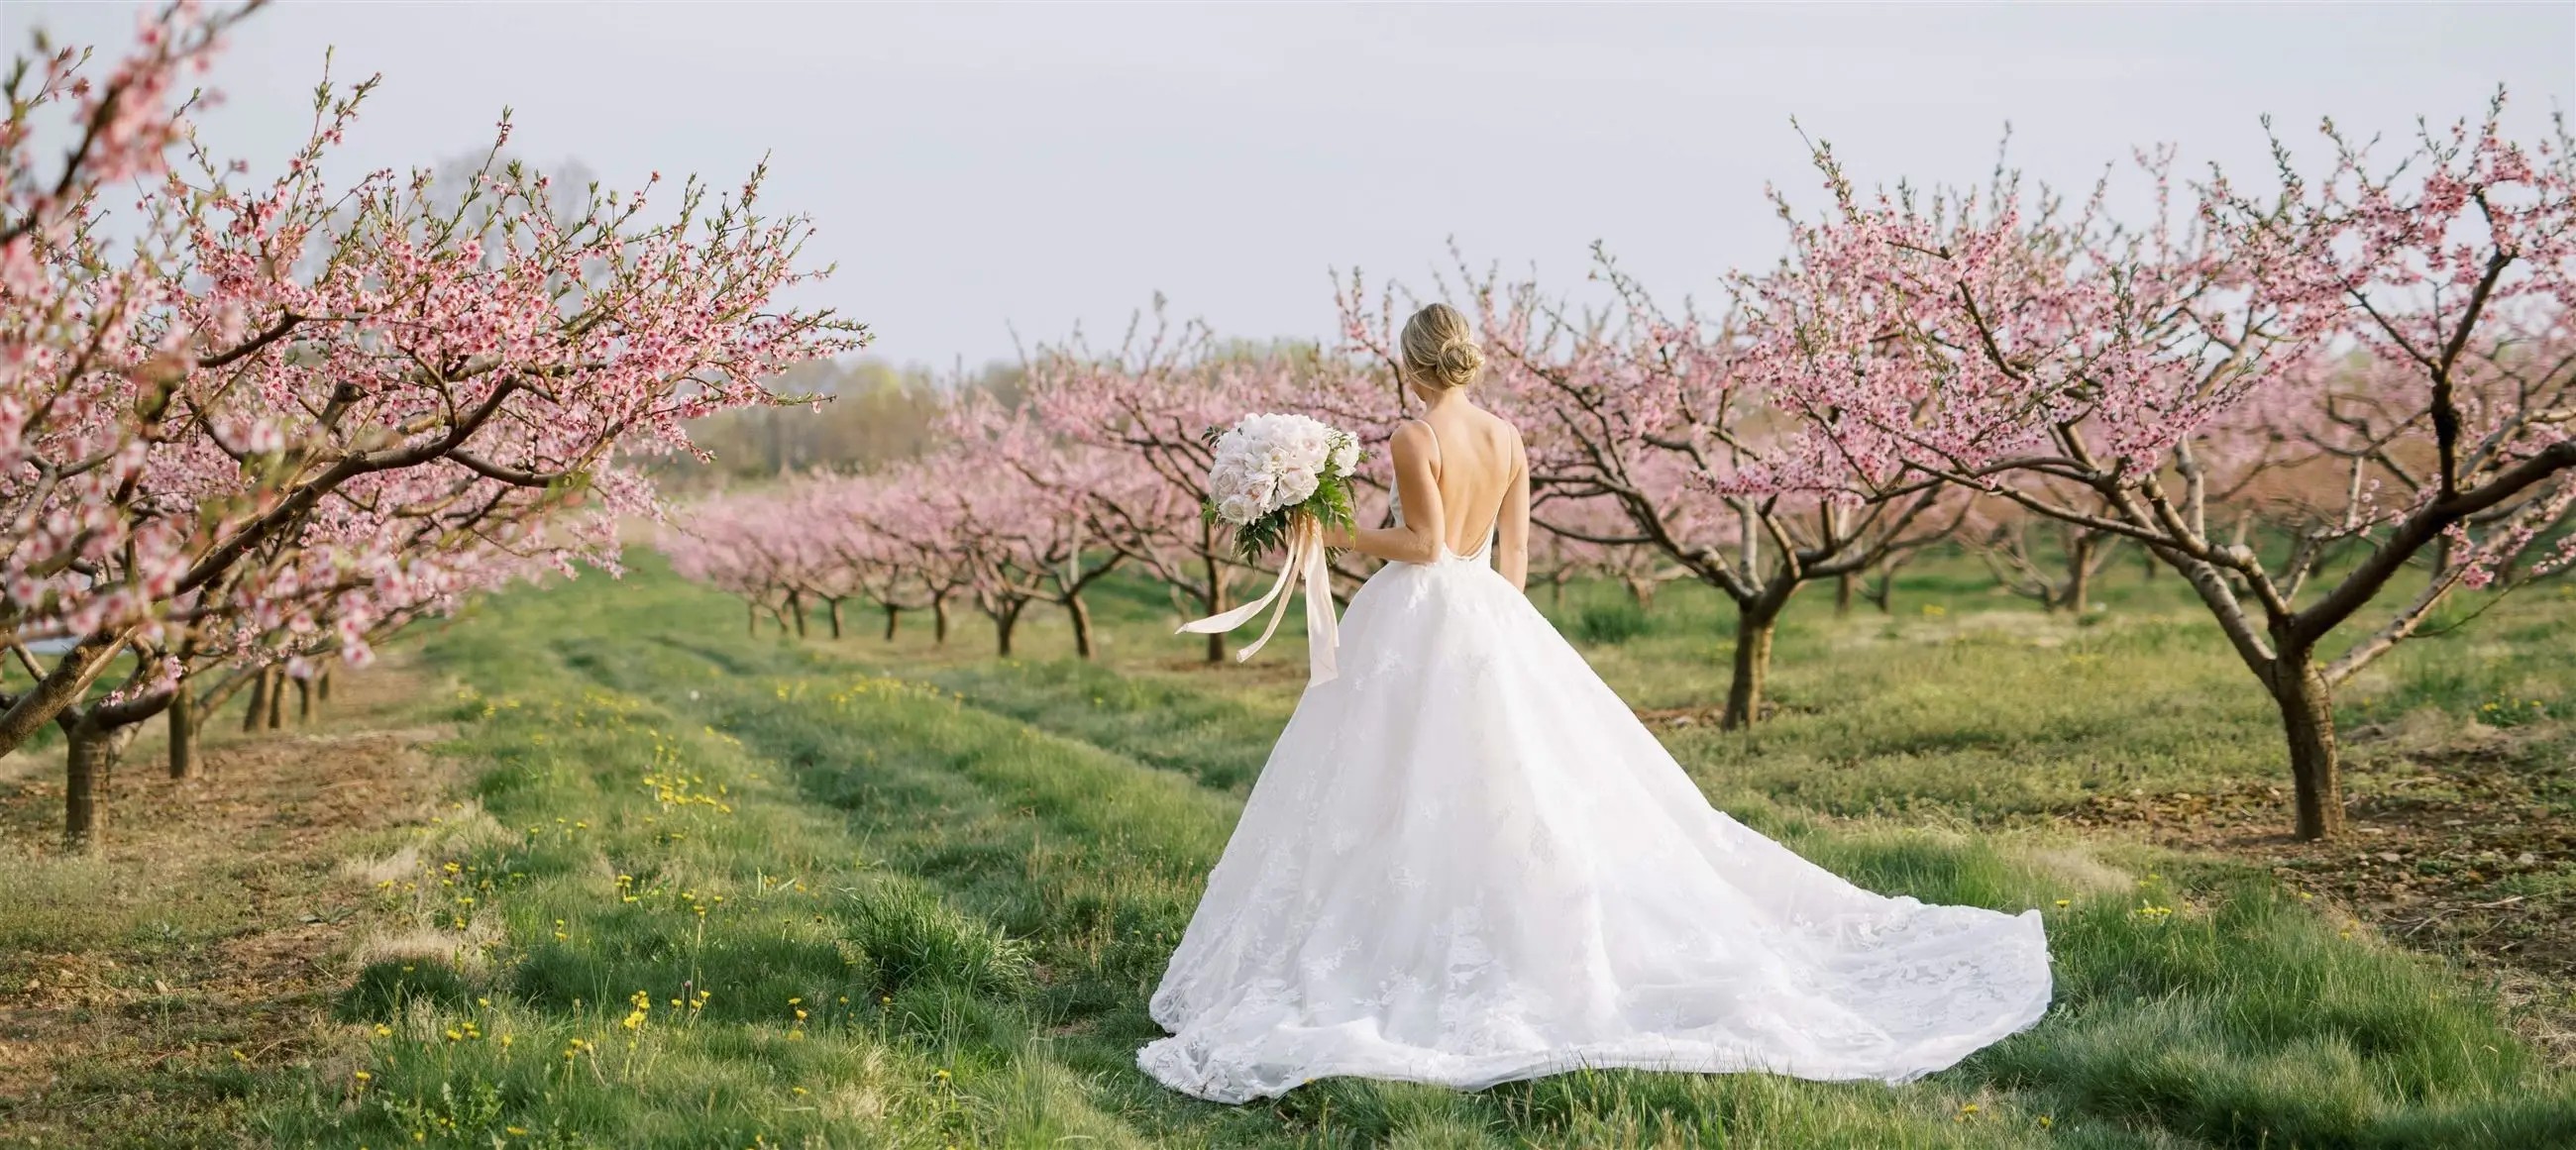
[(1512, 528), (1417, 539)]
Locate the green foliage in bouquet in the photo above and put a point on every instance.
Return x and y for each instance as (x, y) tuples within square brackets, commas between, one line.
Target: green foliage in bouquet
[(1331, 505)]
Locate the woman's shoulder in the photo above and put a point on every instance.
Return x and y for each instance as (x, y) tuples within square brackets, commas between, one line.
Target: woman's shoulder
[(1476, 427), (1503, 431)]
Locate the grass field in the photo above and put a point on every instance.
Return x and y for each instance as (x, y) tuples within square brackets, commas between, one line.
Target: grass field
[(594, 868)]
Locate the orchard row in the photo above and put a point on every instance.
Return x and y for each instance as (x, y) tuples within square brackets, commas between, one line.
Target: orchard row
[(251, 425), (2329, 406)]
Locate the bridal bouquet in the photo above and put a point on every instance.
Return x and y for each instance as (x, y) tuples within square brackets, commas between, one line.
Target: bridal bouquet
[(1280, 480), (1272, 469)]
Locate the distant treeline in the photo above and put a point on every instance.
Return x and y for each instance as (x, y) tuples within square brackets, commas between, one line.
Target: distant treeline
[(867, 413), (870, 413)]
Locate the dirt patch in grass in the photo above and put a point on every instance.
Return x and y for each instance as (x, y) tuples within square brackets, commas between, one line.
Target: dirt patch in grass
[(1713, 714), (140, 987), (2461, 843)]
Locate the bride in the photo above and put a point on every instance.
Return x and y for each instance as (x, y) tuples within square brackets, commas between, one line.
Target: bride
[(1467, 862)]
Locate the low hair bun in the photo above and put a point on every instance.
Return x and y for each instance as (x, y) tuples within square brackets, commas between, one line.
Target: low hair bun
[(1461, 363), (1439, 350)]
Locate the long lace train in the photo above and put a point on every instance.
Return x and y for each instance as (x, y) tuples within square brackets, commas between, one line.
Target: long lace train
[(1467, 863)]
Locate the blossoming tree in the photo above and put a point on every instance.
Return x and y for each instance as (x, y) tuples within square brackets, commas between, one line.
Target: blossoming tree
[(1150, 406), (1673, 419), (1048, 506), (258, 367), (2398, 330)]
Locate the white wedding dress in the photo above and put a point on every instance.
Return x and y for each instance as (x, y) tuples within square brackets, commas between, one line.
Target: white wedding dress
[(1467, 862)]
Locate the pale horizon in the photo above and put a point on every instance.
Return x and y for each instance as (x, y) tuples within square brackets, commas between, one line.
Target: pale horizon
[(981, 171)]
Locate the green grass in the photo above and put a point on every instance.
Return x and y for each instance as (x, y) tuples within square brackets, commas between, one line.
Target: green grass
[(1610, 623), (906, 896)]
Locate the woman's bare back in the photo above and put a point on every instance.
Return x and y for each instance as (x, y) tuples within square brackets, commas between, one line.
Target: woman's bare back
[(1460, 471), (1476, 456)]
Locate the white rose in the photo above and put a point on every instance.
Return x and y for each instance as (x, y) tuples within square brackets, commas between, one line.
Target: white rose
[(1271, 460), (1315, 439), (1296, 485)]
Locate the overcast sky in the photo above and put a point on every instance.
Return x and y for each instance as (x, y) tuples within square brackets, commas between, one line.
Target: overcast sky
[(979, 169)]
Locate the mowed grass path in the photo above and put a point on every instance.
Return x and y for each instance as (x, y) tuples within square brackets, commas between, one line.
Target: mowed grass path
[(715, 890)]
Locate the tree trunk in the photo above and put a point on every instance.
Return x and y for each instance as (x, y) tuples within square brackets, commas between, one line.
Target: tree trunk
[(258, 701), (2079, 576), (834, 606), (89, 761), (322, 684), (939, 620), (894, 616), (1754, 625), (303, 701), (1004, 622), (1081, 612), (1640, 592), (1883, 596), (1215, 606), (276, 697), (1556, 592), (1846, 585), (183, 731), (2307, 718), (796, 610), (752, 608)]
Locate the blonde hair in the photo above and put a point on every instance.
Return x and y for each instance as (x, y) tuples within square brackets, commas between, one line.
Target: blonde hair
[(1439, 350)]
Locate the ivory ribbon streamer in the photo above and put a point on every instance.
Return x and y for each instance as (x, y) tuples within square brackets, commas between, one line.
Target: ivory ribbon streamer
[(1306, 563)]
